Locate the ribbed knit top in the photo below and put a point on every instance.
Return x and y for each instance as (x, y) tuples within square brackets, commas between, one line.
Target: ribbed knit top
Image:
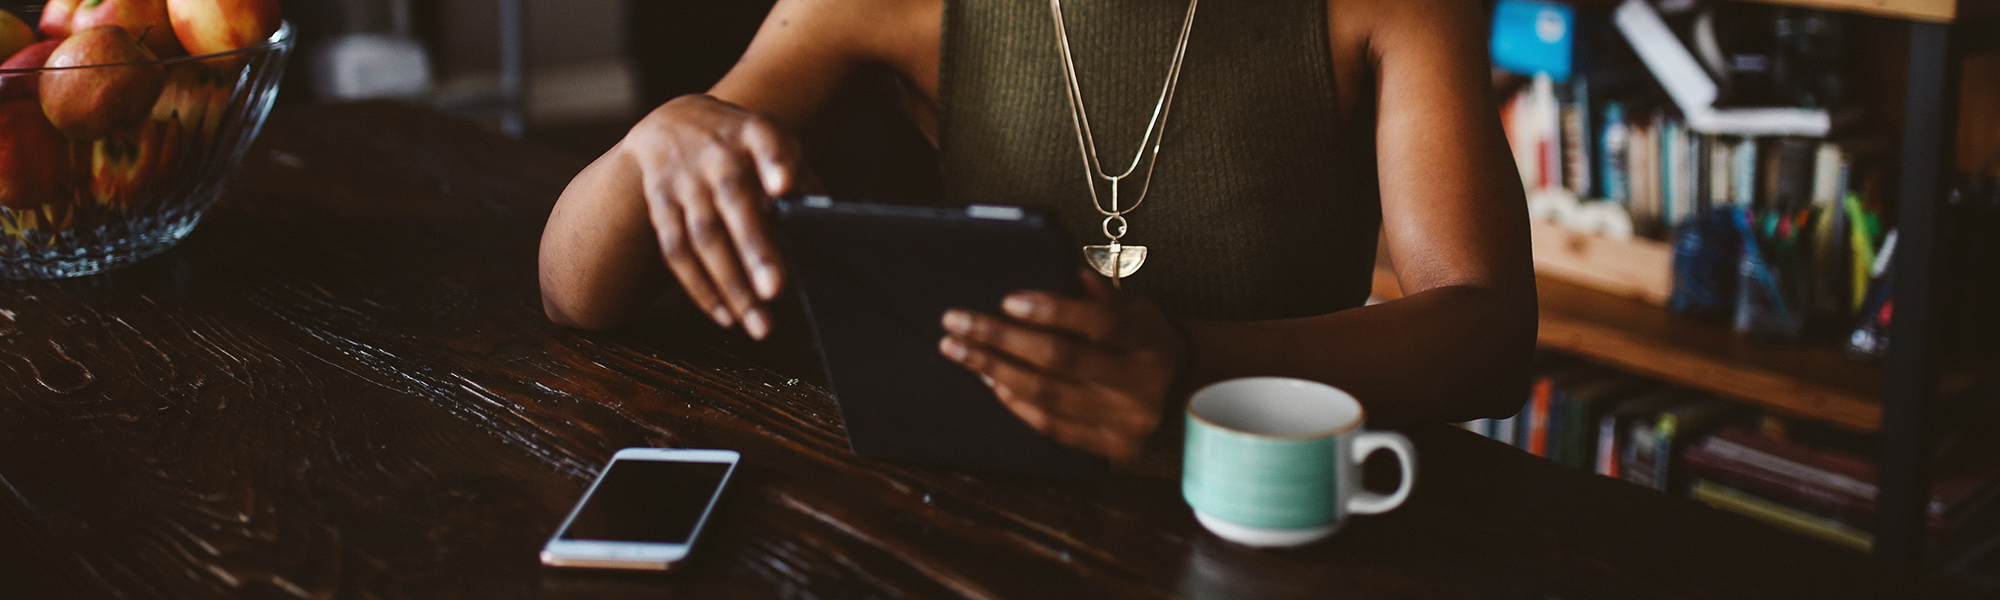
[(1256, 209)]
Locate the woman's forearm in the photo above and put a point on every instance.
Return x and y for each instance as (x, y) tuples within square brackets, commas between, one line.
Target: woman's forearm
[(1450, 353), (599, 263)]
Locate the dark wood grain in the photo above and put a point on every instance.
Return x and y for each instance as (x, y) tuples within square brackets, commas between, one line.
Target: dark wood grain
[(341, 386)]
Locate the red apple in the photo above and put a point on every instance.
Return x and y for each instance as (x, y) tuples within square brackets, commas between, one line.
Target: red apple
[(55, 18), (26, 86), (129, 167), (88, 103), (195, 95), (145, 19), (15, 34), (33, 157), (210, 26)]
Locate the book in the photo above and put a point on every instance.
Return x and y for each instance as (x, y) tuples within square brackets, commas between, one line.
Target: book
[(1576, 134), (1616, 448), (1614, 166), (1657, 442), (1536, 441), (1784, 517), (1721, 171), (1548, 139), (1743, 190), (1829, 180), (1555, 408), (1777, 486), (1836, 477), (1792, 173), (1583, 405)]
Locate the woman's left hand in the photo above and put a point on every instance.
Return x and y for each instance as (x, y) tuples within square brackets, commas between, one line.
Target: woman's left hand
[(1089, 372)]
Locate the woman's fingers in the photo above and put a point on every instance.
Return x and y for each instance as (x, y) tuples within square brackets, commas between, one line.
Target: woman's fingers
[(1094, 319), (670, 226), (1063, 354), (776, 156), (772, 171), (713, 246), (1075, 414), (740, 209)]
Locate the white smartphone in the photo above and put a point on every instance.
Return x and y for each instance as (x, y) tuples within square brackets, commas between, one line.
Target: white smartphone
[(644, 511)]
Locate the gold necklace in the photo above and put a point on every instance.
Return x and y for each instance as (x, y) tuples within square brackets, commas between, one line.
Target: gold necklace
[(1116, 260)]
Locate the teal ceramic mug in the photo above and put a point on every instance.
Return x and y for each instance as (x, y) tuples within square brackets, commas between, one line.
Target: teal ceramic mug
[(1275, 461)]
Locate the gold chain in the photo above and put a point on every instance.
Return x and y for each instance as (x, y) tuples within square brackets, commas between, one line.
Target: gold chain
[(1155, 128)]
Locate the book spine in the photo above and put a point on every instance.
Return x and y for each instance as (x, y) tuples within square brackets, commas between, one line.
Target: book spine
[(1784, 517), (1664, 430), (1613, 174), (1639, 455), (1577, 130), (1538, 418), (1548, 119), (1828, 166), (1721, 172), (1607, 446), (1579, 433), (1745, 172), (1706, 464)]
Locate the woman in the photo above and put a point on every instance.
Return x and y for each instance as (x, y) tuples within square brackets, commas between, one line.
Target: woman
[(1278, 136)]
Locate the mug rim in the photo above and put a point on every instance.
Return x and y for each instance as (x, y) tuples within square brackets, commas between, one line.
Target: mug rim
[(1360, 411)]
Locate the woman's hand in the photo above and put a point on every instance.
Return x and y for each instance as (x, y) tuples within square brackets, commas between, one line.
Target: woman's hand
[(706, 168), (1089, 372)]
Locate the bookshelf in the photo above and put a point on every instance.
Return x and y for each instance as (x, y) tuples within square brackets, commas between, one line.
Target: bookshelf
[(1901, 399), (1803, 379)]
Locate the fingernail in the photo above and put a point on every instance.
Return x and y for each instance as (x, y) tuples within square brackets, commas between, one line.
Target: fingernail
[(722, 317), (767, 282), (756, 324), (774, 181), (1018, 306), (952, 348), (987, 379), (956, 321)]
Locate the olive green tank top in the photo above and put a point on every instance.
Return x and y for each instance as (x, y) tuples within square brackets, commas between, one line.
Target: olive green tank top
[(1256, 211)]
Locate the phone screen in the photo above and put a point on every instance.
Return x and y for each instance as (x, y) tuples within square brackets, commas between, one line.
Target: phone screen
[(647, 501)]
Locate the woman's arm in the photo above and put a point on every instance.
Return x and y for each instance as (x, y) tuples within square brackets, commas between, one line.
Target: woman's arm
[(1457, 346), (682, 194)]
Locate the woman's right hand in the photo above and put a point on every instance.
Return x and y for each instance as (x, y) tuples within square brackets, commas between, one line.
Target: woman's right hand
[(708, 168)]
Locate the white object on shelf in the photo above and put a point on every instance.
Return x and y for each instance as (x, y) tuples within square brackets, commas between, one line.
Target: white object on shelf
[(1695, 93), (372, 65)]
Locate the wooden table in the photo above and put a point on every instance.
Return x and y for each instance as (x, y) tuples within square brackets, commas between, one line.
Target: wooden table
[(342, 385)]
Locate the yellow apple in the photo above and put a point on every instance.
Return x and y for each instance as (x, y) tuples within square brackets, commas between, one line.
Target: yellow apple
[(15, 34)]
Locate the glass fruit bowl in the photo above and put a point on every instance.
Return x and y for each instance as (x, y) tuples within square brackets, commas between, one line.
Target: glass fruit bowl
[(142, 152)]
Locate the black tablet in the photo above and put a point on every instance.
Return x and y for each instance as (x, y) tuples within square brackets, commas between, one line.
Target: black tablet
[(877, 279)]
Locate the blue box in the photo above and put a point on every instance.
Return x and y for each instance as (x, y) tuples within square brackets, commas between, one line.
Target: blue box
[(1532, 36)]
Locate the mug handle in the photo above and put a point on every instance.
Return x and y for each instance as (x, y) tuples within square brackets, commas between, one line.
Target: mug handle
[(1364, 502)]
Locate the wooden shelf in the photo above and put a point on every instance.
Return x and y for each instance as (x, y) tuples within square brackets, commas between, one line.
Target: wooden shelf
[(1936, 11), (1801, 379), (1635, 268)]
